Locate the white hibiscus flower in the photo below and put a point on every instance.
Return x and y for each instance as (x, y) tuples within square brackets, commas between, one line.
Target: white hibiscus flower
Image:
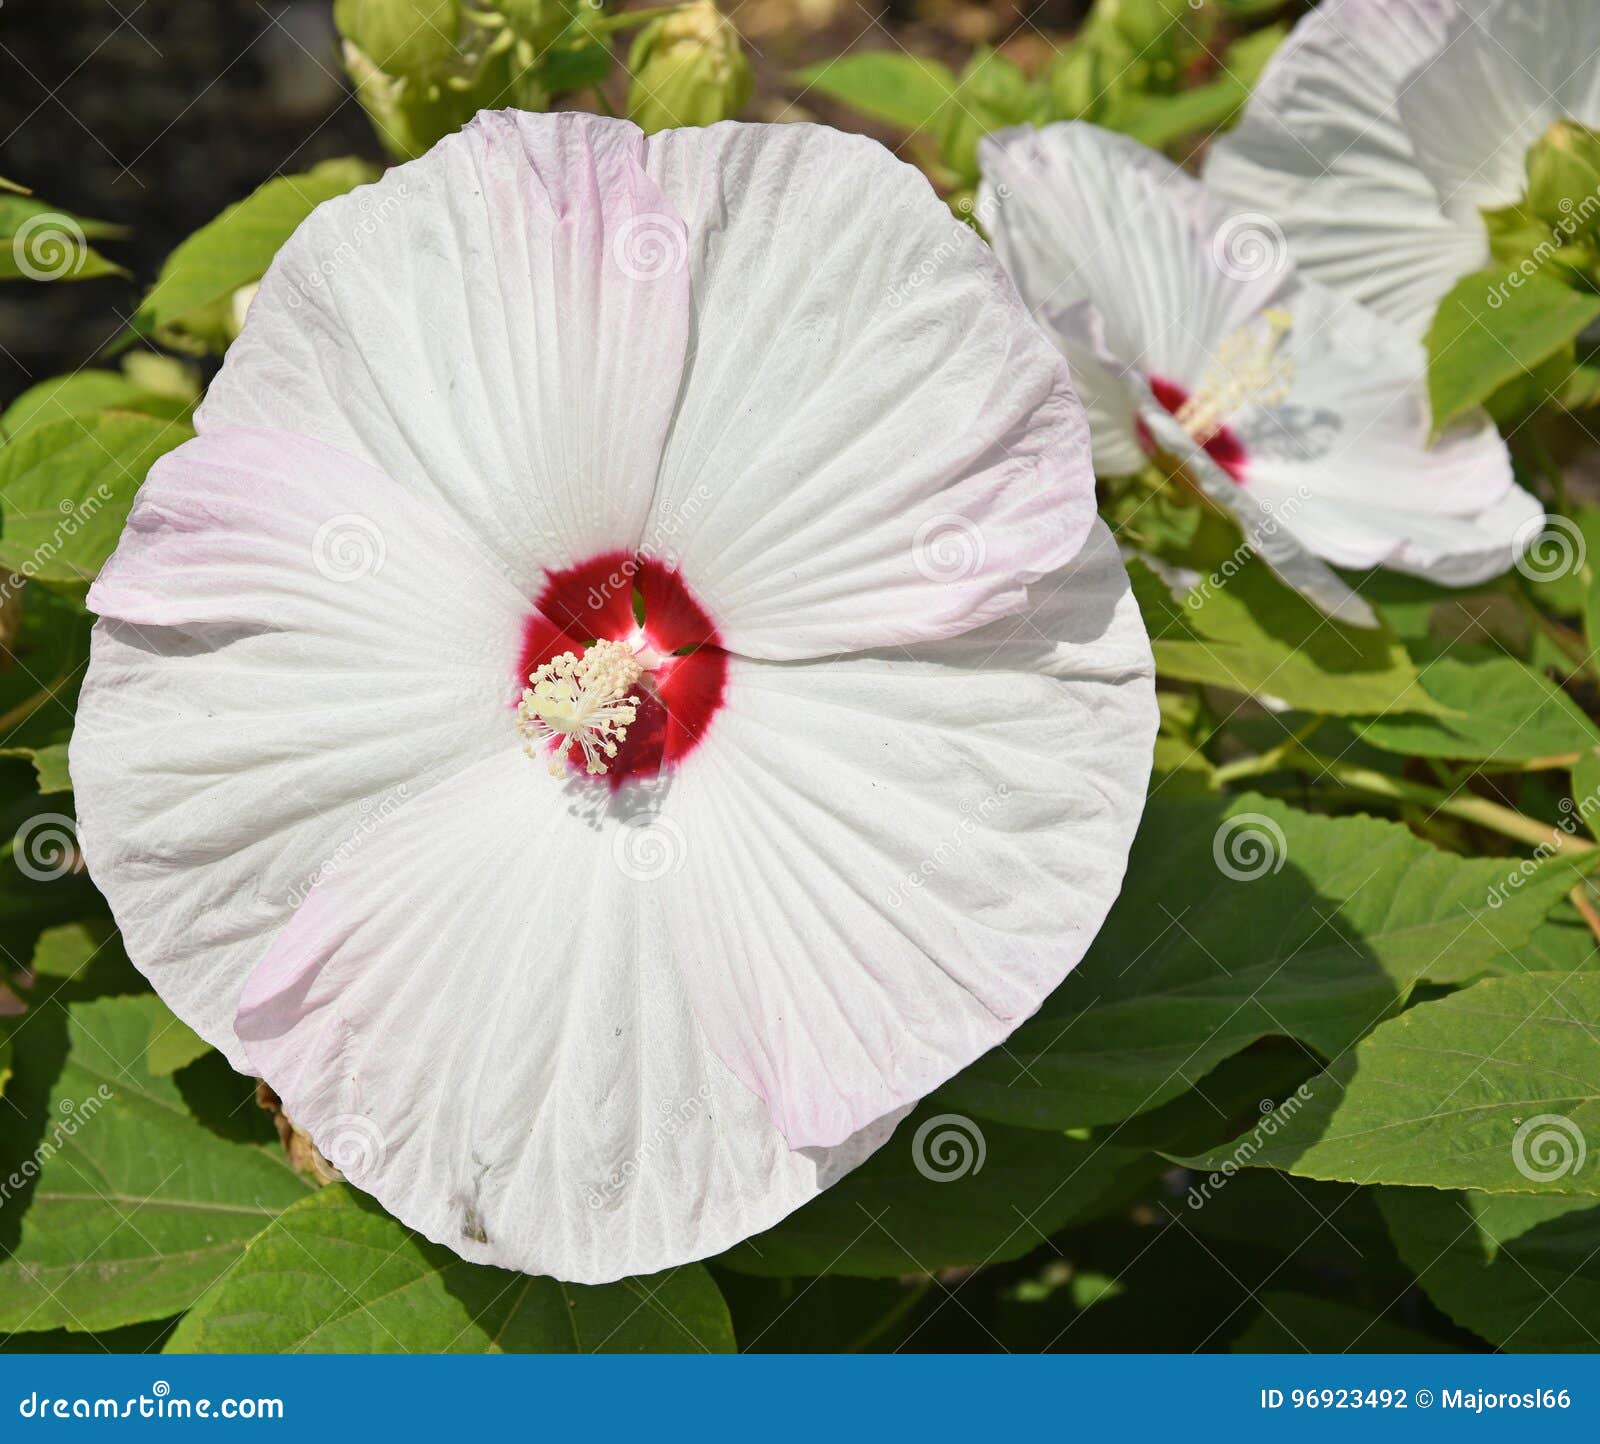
[(722, 471), (1382, 130), (1190, 334)]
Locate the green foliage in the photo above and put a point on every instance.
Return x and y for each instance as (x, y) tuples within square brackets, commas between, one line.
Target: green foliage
[(1493, 330), (138, 1207), (191, 307), (338, 1275), (687, 68), (1241, 921), (39, 242), (66, 487), (1403, 1108)]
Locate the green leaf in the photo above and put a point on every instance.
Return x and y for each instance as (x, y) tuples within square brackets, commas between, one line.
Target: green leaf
[(84, 959), (235, 250), (906, 90), (1487, 333), (1495, 1088), (83, 394), (138, 1207), (41, 242), (1522, 1272), (66, 487), (335, 1274), (1241, 920), (1251, 634), (173, 1044), (1500, 711), (946, 1191), (1295, 1324)]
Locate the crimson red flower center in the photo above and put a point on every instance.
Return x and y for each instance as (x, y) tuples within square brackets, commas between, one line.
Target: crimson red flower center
[(643, 603)]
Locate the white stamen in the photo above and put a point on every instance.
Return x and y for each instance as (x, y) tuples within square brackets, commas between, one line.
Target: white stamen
[(1248, 371), (581, 699)]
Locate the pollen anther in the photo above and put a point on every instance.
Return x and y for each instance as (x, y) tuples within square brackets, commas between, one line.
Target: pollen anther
[(580, 699), (1248, 370)]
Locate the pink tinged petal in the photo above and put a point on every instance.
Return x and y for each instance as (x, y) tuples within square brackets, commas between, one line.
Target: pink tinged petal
[(493, 326), (289, 647), (1326, 148), (1086, 217), (890, 931), (482, 1019), (874, 444)]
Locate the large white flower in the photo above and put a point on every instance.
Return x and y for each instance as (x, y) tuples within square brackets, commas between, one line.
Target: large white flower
[(726, 476), (1190, 334), (1382, 129)]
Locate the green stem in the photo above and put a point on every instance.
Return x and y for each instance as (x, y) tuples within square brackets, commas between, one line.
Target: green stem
[(875, 1331), (1466, 806)]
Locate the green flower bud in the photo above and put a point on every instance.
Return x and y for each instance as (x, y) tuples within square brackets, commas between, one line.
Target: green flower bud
[(1564, 178), (538, 22), (1080, 84), (1145, 23), (687, 68), (402, 37)]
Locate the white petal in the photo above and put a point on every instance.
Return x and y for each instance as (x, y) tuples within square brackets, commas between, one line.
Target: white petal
[(1504, 74), (874, 444), (1323, 150), (1080, 214), (289, 649), (500, 324), (481, 1022), (891, 859)]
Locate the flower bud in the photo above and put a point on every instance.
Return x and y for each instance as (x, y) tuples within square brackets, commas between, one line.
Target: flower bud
[(402, 37), (1564, 178), (687, 68)]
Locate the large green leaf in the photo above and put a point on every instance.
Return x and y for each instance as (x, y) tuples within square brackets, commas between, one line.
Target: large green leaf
[(66, 487), (1522, 1272), (85, 393), (236, 248), (138, 1207), (1251, 634), (1487, 333), (1238, 921), (1496, 1087), (335, 1274), (41, 242), (906, 90), (1502, 711), (946, 1191)]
